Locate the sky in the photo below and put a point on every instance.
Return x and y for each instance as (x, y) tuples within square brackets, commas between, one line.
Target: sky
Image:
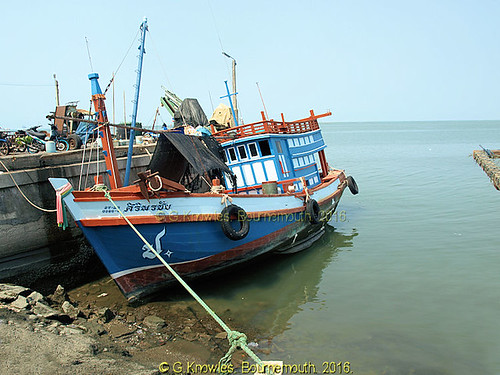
[(363, 60)]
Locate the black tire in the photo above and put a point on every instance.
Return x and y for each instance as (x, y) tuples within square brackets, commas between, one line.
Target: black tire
[(313, 211), (74, 141), (4, 148), (62, 145), (353, 186), (232, 211)]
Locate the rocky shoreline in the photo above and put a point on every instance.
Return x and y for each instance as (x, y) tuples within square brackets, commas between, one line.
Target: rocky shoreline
[(94, 330)]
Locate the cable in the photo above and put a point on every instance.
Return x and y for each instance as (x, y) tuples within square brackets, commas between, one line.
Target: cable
[(119, 66), (24, 196)]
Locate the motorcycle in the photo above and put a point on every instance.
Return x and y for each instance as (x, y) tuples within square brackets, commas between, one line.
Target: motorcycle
[(37, 140)]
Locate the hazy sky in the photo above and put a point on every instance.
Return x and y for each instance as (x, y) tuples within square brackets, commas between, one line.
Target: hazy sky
[(363, 60)]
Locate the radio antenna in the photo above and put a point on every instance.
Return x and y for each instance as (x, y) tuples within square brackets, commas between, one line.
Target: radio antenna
[(262, 99), (88, 52)]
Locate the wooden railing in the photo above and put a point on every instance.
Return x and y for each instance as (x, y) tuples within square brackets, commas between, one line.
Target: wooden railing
[(271, 127)]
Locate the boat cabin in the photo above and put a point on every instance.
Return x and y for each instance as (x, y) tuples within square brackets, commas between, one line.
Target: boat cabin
[(269, 151)]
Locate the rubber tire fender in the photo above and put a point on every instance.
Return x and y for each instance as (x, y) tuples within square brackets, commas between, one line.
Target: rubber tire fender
[(241, 217), (353, 186), (313, 211)]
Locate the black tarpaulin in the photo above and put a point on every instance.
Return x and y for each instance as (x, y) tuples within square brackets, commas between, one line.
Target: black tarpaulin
[(190, 113), (183, 158)]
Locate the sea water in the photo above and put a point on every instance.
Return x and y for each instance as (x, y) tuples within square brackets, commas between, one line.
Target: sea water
[(406, 279)]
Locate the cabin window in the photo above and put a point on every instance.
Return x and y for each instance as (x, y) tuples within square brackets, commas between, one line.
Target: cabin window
[(243, 152), (265, 150), (253, 150), (278, 147), (232, 154)]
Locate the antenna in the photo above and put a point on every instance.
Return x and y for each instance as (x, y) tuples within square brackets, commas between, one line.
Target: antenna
[(262, 99), (88, 52)]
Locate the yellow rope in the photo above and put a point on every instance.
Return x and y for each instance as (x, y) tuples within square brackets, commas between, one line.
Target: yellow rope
[(236, 339), (24, 196)]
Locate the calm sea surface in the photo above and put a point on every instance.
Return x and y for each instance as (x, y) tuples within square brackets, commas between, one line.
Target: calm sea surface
[(407, 279)]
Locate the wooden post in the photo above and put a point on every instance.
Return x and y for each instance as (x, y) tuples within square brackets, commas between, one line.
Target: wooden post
[(323, 162)]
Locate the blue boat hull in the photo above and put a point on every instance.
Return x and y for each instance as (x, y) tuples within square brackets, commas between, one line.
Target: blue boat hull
[(193, 249)]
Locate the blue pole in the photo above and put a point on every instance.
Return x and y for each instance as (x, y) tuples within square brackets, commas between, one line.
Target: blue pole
[(231, 103), (144, 28)]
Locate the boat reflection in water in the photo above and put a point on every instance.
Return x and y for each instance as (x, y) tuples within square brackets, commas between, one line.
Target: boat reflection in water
[(265, 295)]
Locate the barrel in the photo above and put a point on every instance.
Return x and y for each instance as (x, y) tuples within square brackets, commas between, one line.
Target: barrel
[(50, 146), (270, 187)]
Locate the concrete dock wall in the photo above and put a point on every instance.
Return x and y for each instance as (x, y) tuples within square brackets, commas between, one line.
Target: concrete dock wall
[(30, 238)]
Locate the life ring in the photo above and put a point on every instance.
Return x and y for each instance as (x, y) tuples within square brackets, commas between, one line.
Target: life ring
[(241, 217), (353, 186), (313, 211)]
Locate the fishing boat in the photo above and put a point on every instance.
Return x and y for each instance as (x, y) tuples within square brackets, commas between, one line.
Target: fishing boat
[(207, 202)]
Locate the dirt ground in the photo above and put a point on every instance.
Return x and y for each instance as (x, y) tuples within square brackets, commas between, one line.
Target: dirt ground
[(93, 330)]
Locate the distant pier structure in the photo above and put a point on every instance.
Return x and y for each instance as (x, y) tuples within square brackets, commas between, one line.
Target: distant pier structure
[(489, 161)]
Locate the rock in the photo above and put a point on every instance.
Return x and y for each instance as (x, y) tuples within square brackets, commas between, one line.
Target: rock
[(186, 330), (44, 311), (20, 303), (9, 293), (191, 336), (70, 331), (221, 335), (106, 314), (59, 295), (154, 322), (118, 329), (70, 310), (35, 297), (93, 349)]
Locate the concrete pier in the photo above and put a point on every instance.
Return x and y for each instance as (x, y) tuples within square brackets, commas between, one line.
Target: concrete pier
[(31, 241)]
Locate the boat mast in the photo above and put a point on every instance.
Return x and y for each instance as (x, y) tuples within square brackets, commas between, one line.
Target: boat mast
[(105, 132), (57, 90), (235, 100), (144, 28)]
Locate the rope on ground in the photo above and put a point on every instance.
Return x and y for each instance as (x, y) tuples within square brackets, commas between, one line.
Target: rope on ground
[(24, 196), (236, 339)]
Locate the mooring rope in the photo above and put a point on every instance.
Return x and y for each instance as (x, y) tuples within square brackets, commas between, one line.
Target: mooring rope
[(236, 339), (24, 196)]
